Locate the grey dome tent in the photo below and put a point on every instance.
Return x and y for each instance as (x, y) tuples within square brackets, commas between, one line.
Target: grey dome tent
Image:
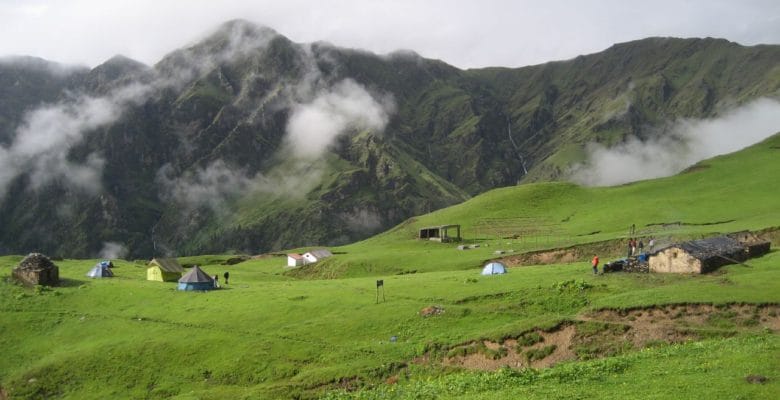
[(494, 268), (101, 270), (196, 279)]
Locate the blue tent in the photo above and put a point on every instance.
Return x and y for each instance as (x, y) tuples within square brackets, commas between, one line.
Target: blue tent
[(101, 270), (196, 279), (494, 268)]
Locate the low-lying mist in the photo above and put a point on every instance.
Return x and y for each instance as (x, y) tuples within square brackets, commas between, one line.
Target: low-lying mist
[(685, 143)]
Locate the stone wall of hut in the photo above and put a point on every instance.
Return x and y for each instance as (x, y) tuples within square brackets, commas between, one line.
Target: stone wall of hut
[(32, 277), (674, 260)]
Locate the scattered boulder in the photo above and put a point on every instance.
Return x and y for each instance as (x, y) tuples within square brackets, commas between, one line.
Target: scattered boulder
[(756, 379), (235, 260), (431, 310), (37, 269)]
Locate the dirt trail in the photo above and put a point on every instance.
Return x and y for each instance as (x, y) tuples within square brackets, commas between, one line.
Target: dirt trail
[(609, 332)]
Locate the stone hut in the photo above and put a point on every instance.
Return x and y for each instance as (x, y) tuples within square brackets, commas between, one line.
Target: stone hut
[(754, 245), (37, 269), (698, 256)]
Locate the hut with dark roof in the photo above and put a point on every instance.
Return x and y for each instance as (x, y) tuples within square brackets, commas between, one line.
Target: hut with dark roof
[(196, 279), (164, 270), (698, 256), (754, 244), (37, 269)]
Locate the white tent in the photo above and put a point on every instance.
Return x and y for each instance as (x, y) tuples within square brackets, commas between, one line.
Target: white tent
[(493, 268)]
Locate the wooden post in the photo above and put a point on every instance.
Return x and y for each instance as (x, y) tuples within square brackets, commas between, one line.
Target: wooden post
[(380, 284)]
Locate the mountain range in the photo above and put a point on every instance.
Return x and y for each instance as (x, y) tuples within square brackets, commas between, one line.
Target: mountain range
[(246, 141)]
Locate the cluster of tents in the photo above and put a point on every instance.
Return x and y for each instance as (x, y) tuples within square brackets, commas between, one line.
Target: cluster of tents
[(163, 270), (168, 270)]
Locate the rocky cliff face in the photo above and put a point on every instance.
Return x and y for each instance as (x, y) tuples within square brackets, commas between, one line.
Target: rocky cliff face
[(247, 141)]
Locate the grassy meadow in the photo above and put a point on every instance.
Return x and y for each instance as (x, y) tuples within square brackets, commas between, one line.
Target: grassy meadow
[(272, 333), (266, 335), (724, 194)]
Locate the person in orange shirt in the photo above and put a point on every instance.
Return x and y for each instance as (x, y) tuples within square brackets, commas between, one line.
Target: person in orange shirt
[(595, 264)]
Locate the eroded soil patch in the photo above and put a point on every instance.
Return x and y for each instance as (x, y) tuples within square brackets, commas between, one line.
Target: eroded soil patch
[(609, 332), (585, 251)]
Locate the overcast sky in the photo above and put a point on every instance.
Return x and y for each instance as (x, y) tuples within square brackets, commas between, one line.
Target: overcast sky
[(465, 33)]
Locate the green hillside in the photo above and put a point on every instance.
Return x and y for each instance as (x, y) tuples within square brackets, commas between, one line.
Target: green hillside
[(724, 194), (196, 156), (270, 335)]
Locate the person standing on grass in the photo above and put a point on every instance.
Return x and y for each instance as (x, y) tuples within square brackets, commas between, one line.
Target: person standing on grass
[(629, 248), (595, 263), (651, 244), (226, 275), (216, 281), (641, 246)]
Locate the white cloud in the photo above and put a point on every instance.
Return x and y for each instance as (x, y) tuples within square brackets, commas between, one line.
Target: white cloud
[(113, 251), (466, 33), (345, 107), (687, 142), (209, 187), (42, 143)]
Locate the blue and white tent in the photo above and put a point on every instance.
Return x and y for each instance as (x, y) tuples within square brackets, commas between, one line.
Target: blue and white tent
[(196, 279), (101, 270), (494, 268)]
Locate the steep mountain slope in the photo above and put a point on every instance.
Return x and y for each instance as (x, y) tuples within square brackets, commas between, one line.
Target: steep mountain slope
[(247, 141), (630, 89), (27, 83)]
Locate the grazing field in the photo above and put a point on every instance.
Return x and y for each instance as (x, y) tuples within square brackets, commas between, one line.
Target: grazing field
[(270, 336), (276, 333)]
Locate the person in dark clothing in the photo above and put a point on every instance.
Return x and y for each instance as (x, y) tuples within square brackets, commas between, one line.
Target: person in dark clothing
[(226, 275)]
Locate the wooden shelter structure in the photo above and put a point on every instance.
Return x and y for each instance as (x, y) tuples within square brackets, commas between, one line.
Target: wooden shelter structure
[(440, 233)]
